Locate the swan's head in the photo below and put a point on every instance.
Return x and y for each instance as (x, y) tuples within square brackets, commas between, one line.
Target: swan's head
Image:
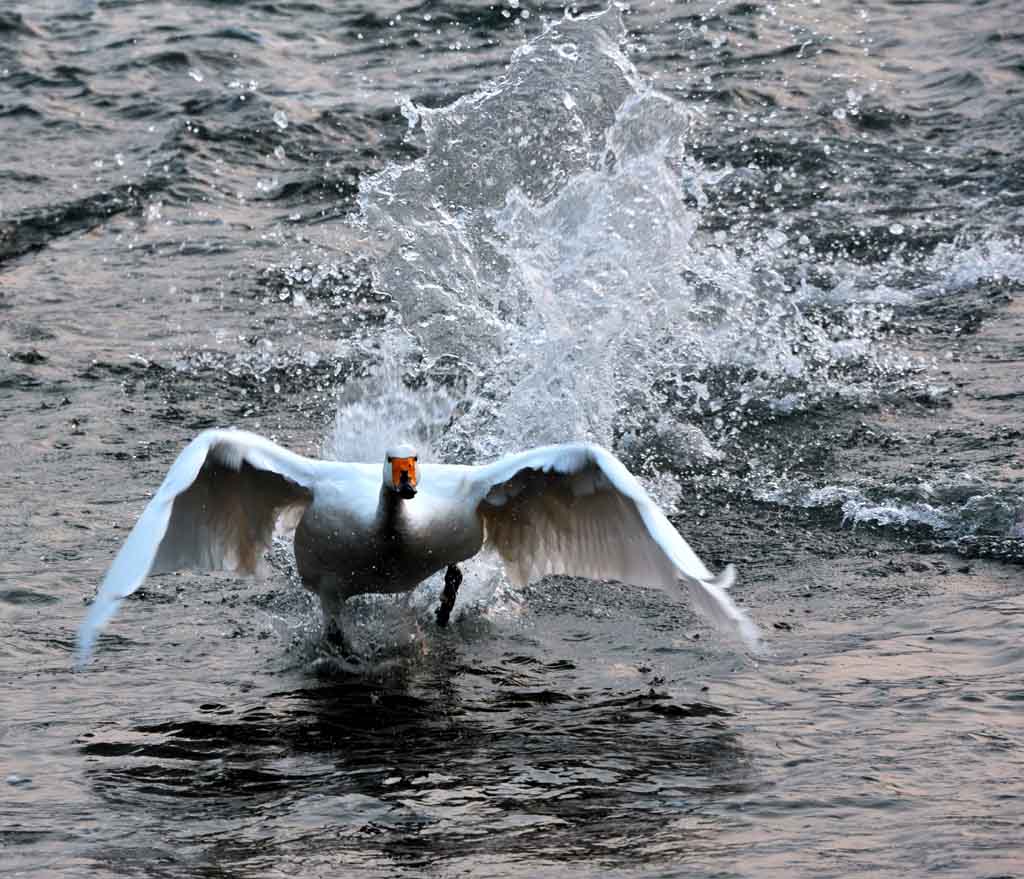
[(400, 471)]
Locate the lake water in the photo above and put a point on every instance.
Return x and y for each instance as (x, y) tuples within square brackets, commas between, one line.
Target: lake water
[(769, 254)]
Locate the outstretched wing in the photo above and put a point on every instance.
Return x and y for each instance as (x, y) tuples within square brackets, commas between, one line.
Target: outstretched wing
[(216, 510), (575, 509)]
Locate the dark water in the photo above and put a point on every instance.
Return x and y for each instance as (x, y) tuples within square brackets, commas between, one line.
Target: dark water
[(771, 254)]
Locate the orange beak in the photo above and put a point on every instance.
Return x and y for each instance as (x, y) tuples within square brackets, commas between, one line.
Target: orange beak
[(403, 476)]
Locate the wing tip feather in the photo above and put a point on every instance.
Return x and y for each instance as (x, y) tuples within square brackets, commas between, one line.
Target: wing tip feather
[(711, 598), (725, 578), (88, 632)]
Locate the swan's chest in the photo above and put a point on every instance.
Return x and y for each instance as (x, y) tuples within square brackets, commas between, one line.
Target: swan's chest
[(385, 549), (425, 535)]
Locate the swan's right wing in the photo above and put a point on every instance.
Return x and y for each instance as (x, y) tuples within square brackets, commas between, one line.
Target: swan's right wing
[(575, 509), (216, 510)]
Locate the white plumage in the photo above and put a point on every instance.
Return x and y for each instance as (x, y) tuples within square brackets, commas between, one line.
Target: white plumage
[(566, 509)]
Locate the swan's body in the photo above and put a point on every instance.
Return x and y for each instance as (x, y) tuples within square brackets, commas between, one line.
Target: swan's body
[(372, 540), (567, 509)]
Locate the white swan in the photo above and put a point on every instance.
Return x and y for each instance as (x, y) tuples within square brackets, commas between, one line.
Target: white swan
[(566, 509)]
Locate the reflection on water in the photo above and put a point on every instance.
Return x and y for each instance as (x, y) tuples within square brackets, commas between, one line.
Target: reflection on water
[(590, 735), (848, 750), (434, 763)]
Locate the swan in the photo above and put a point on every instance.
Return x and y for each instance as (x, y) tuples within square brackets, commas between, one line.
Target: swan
[(569, 509)]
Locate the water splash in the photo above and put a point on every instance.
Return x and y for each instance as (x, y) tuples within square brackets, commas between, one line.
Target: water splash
[(382, 410), (550, 239), (553, 253)]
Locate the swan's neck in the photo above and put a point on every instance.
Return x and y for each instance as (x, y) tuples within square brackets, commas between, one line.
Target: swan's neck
[(389, 512)]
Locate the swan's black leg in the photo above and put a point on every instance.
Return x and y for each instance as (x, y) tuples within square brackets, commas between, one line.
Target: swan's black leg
[(330, 604), (335, 638), (452, 581)]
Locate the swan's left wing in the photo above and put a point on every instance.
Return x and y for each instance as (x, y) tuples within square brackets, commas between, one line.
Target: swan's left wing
[(575, 509), (216, 510)]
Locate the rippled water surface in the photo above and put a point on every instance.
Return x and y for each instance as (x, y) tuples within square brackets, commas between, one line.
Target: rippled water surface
[(770, 254)]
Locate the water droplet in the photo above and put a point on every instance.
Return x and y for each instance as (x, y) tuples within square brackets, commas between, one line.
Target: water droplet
[(279, 153), (281, 119), (568, 51), (897, 229), (839, 113)]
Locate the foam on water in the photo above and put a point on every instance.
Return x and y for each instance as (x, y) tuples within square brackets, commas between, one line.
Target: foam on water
[(961, 266), (961, 508)]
